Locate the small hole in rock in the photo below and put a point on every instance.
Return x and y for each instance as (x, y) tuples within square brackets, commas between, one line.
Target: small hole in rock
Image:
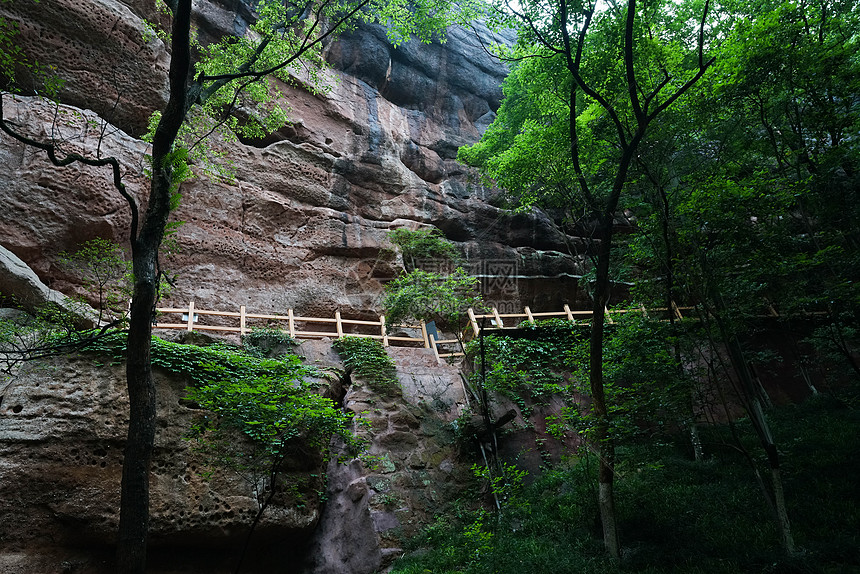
[(17, 409)]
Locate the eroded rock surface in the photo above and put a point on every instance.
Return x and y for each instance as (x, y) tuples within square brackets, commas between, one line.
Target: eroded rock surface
[(62, 430), (102, 50), (412, 471), (20, 286), (302, 225)]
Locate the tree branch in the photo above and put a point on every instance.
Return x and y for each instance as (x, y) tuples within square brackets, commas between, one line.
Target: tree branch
[(65, 159), (703, 67), (574, 64), (304, 48), (632, 86)]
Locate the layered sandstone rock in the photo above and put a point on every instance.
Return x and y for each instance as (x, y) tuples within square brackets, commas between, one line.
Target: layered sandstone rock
[(303, 224), (62, 429), (102, 50)]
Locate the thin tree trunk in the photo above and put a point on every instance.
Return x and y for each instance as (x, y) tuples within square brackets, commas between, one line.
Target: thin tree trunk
[(134, 498), (696, 442), (752, 404), (273, 479), (782, 512), (606, 444)]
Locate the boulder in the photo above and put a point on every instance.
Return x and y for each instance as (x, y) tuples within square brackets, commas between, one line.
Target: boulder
[(24, 288)]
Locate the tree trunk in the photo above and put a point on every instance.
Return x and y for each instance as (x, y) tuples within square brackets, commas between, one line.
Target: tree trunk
[(752, 405), (134, 510), (134, 500), (606, 448), (782, 512)]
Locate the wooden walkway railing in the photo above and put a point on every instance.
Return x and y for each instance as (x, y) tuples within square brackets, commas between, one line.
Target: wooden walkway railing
[(495, 321), (296, 326), (300, 327)]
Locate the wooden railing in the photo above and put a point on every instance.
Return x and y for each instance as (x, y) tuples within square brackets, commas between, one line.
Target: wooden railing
[(300, 327), (294, 325), (495, 321)]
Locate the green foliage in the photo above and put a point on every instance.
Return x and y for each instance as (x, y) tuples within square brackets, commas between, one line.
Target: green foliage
[(678, 516), (367, 359), (105, 273), (534, 149), (44, 78), (647, 392), (267, 342), (239, 80), (258, 410), (506, 483), (423, 244), (425, 296), (202, 365), (176, 163), (48, 331), (528, 367), (279, 414), (10, 51)]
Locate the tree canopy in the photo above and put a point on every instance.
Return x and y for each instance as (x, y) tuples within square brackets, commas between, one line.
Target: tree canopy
[(723, 139)]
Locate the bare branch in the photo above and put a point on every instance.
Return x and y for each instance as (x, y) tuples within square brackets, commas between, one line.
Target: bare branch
[(65, 159), (542, 40)]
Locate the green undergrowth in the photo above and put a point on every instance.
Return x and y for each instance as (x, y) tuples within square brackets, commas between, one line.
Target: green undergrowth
[(526, 368), (274, 402), (367, 359), (201, 364), (676, 515)]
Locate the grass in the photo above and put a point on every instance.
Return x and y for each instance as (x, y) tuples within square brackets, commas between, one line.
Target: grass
[(676, 515)]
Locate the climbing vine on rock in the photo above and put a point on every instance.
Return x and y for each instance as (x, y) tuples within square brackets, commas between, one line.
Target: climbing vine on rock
[(424, 244), (272, 402), (367, 358)]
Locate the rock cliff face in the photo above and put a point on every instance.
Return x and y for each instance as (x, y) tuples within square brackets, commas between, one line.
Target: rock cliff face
[(303, 223), (62, 427)]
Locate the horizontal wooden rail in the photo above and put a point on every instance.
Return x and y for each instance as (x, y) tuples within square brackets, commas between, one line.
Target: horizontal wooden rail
[(301, 327), (294, 325)]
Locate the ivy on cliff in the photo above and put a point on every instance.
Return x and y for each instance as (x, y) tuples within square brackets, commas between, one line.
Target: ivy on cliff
[(269, 401), (367, 358)]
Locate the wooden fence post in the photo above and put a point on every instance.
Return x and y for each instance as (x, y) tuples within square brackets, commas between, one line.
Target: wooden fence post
[(383, 330), (435, 349), (190, 324), (338, 324), (608, 316), (529, 315), (474, 321), (499, 323), (241, 320), (569, 314), (424, 334), (291, 322)]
